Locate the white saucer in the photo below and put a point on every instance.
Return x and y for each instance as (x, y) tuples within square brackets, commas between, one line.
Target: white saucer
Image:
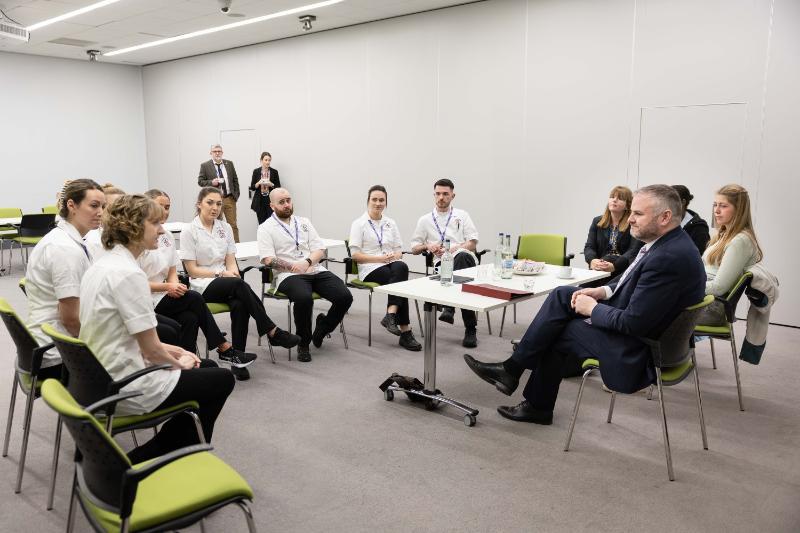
[(565, 277), (521, 273)]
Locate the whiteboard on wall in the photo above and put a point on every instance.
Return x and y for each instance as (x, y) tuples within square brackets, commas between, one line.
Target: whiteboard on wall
[(699, 146), (241, 147)]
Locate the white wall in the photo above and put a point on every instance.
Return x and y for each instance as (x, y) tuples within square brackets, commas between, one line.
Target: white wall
[(63, 119), (536, 109)]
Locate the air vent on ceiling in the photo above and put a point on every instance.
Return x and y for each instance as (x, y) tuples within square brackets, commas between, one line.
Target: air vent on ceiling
[(72, 42), (9, 30)]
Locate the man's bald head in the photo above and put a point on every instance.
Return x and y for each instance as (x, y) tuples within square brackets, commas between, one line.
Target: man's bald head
[(281, 203)]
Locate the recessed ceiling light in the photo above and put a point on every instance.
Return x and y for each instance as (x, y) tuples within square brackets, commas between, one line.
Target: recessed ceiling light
[(71, 14), (224, 27)]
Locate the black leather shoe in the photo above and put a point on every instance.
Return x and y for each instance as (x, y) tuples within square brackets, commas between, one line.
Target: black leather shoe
[(408, 341), (525, 412), (241, 374), (303, 353), (470, 338), (390, 323), (319, 331), (284, 339), (447, 315), (494, 373)]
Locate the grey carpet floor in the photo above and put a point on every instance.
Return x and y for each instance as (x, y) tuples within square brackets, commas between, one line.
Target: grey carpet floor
[(325, 452)]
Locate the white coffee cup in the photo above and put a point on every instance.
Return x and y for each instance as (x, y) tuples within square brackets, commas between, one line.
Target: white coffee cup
[(564, 272)]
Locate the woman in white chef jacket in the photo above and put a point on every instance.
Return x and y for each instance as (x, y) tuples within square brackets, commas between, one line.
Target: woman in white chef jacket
[(118, 324), (173, 299), (209, 253), (56, 266)]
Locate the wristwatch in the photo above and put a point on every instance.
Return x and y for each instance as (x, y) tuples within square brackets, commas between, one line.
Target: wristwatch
[(309, 261)]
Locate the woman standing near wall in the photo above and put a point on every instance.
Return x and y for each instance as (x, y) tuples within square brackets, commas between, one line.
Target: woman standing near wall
[(265, 178)]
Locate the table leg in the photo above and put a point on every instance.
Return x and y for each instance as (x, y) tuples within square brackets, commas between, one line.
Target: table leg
[(430, 347)]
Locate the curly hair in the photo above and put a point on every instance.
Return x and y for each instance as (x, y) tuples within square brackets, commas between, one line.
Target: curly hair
[(123, 220), (75, 190)]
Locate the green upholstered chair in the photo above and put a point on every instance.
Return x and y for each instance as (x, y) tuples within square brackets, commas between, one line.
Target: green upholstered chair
[(170, 492), (30, 232), (50, 210), (351, 269), (544, 247), (88, 382), (7, 232), (26, 378), (673, 358), (725, 332), (268, 290)]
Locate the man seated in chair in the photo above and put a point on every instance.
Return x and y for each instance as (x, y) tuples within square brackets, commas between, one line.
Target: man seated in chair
[(293, 249), (446, 222), (606, 323)]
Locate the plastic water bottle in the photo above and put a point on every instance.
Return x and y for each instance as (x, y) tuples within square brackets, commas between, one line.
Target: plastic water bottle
[(508, 259), (446, 265), (498, 255)]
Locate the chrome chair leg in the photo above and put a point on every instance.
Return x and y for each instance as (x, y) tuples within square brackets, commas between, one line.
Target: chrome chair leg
[(736, 369), (10, 415), (202, 525), (369, 320), (699, 404), (667, 450), (575, 409), (289, 322), (271, 351), (72, 497), (515, 313), (502, 322), (135, 440), (611, 407), (713, 355), (54, 469), (251, 525), (344, 334), (650, 393), (25, 434), (198, 426)]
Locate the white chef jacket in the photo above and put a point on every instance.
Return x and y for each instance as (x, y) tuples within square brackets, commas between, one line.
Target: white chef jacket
[(207, 249), (116, 305), (156, 263), (459, 229), (93, 244), (277, 241), (55, 268), (364, 239)]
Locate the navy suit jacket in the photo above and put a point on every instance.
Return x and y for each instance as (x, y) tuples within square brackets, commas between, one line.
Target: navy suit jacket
[(668, 279)]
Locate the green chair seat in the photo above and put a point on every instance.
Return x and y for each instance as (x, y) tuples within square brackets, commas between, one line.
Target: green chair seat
[(590, 363), (122, 423), (275, 293), (355, 282), (713, 330), (27, 240), (676, 374), (25, 382), (217, 308), (191, 484)]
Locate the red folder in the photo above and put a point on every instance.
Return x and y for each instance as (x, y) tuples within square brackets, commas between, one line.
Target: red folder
[(493, 291)]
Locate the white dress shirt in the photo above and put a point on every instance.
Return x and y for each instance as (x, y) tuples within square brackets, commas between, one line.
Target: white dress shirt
[(290, 243), (455, 223), (93, 244), (366, 236), (208, 249), (156, 263), (55, 268)]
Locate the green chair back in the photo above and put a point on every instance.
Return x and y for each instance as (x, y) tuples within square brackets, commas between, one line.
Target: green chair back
[(50, 210), (550, 249), (103, 463), (10, 212), (673, 347), (23, 340), (350, 266)]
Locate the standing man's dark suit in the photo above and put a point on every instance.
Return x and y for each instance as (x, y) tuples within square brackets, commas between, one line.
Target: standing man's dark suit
[(668, 277), (211, 174), (260, 203)]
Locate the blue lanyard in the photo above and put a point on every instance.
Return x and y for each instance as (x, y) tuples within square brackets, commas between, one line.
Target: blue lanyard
[(436, 223), (296, 231), (379, 237)]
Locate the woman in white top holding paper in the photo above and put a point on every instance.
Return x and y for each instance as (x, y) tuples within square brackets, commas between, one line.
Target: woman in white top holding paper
[(376, 246), (209, 253), (175, 300), (57, 265), (119, 326)]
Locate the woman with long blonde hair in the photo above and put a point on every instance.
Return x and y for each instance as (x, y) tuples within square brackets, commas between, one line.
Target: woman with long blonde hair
[(610, 246), (732, 249)]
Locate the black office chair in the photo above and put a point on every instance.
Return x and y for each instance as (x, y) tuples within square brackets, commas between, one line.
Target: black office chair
[(31, 230)]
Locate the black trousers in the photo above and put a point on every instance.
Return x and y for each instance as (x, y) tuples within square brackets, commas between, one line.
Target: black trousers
[(210, 387), (392, 273), (465, 260), (191, 313), (244, 304), (168, 330), (299, 288)]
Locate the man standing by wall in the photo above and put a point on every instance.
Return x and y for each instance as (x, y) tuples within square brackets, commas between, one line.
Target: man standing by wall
[(220, 173)]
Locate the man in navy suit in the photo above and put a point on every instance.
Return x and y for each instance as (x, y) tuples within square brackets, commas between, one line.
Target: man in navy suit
[(606, 323)]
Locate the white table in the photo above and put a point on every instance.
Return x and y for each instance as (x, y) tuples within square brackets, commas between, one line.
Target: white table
[(432, 293), (173, 227), (10, 221), (249, 249)]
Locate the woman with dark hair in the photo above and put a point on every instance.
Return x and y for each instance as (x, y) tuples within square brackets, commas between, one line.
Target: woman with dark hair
[(376, 247), (173, 299), (265, 178), (56, 266), (209, 254), (696, 227), (610, 246), (119, 326)]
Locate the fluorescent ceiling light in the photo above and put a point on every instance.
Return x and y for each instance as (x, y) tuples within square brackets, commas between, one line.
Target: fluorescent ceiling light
[(71, 14), (224, 27)]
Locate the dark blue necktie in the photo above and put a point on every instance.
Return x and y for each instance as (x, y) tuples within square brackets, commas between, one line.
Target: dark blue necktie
[(221, 179)]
